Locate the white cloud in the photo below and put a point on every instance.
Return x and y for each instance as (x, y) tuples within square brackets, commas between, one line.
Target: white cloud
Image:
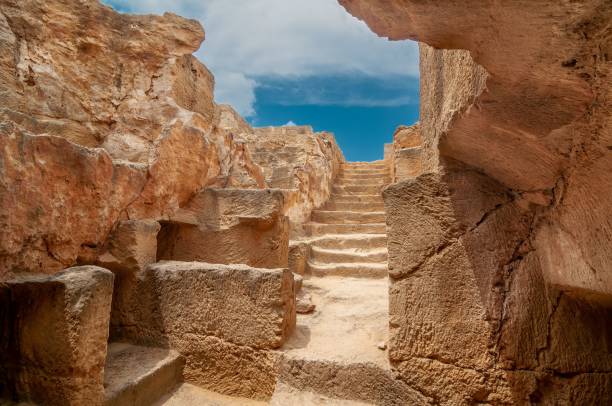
[(236, 89), (290, 123), (250, 38)]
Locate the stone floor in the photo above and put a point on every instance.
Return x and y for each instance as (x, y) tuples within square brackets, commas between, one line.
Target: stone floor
[(349, 324)]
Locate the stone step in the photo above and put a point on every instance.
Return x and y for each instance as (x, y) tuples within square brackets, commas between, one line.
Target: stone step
[(135, 375), (380, 182), (362, 165), (347, 217), (340, 241), (364, 175), (348, 255), (335, 198), (365, 383), (355, 269), (352, 172), (355, 206), (337, 353), (285, 395), (358, 189), (191, 395), (314, 229)]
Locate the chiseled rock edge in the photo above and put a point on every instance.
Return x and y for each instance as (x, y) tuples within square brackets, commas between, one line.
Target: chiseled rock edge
[(56, 333), (226, 320)]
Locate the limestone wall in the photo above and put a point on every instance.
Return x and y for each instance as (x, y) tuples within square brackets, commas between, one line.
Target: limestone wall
[(407, 156), (489, 248), (224, 319), (107, 117), (54, 337), (102, 114)]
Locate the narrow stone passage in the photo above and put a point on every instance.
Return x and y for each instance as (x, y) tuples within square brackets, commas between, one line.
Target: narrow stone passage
[(348, 236), (337, 354)]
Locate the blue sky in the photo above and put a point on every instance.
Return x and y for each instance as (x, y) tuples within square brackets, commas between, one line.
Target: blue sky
[(303, 62)]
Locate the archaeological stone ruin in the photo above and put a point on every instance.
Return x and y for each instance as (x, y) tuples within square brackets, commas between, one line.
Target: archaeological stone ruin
[(156, 249)]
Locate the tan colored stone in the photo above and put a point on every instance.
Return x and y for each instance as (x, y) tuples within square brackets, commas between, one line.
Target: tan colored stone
[(135, 375), (407, 137), (58, 200), (298, 158), (233, 226), (408, 163), (224, 320), (304, 304), (363, 382), (56, 330), (131, 246), (127, 84), (298, 256), (236, 303), (228, 368)]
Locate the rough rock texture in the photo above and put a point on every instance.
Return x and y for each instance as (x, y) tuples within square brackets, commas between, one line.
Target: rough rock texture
[(57, 199), (298, 256), (406, 153), (299, 159), (224, 319), (54, 335), (229, 226), (99, 124), (131, 246), (501, 253)]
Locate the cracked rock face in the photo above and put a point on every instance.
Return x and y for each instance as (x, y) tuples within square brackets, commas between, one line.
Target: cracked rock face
[(505, 237), (98, 124)]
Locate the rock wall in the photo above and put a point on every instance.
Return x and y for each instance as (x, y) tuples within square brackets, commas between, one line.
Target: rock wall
[(98, 124), (226, 320), (293, 158), (499, 251), (229, 226), (106, 117), (296, 158), (407, 155), (54, 335)]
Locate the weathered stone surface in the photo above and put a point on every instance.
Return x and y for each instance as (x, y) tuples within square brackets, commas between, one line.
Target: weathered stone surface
[(228, 368), (131, 246), (236, 303), (135, 375), (58, 200), (533, 114), (303, 303), (539, 80), (529, 107), (55, 330), (126, 84), (298, 256), (407, 137), (224, 319), (408, 163), (357, 381), (230, 226), (298, 158)]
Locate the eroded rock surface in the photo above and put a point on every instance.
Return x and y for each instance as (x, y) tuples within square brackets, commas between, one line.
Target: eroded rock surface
[(512, 208), (230, 226), (296, 158), (224, 319), (54, 335), (99, 124)]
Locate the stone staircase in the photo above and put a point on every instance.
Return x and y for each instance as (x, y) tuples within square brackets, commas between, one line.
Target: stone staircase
[(348, 235), (337, 354)]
